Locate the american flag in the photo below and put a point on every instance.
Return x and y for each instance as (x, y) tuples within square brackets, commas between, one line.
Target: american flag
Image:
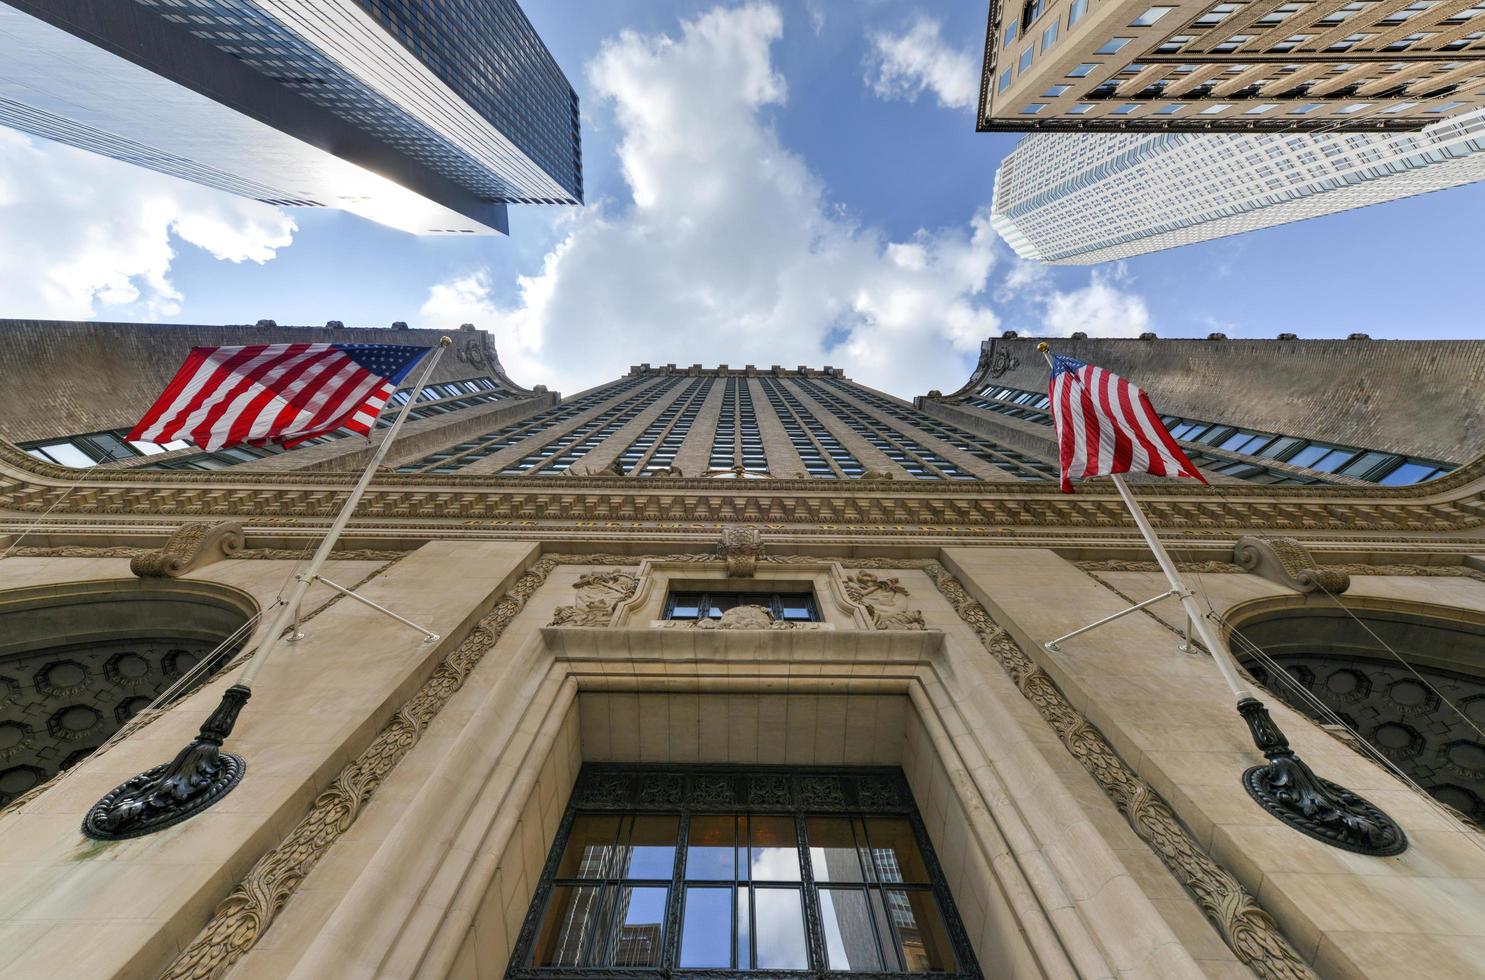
[(284, 393), (1106, 425)]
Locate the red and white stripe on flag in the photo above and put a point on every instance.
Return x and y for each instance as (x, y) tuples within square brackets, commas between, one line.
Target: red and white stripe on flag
[(283, 393), (1106, 425)]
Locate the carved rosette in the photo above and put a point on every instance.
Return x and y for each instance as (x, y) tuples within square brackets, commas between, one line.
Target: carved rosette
[(1288, 563), (740, 547), (190, 547), (886, 601)]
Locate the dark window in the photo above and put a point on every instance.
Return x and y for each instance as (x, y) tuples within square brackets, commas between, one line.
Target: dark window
[(730, 871), (792, 606)]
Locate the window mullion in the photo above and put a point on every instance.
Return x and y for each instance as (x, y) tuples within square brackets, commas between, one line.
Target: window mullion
[(813, 928), (674, 903)]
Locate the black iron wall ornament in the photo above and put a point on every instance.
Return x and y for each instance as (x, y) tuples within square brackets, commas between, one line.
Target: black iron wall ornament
[(1289, 790), (199, 775), (795, 798)]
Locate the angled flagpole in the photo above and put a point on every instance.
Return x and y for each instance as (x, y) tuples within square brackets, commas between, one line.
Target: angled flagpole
[(201, 774), (1286, 786)]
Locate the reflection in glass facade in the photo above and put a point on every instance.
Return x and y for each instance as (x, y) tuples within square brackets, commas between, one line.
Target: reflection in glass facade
[(465, 87), (742, 871)]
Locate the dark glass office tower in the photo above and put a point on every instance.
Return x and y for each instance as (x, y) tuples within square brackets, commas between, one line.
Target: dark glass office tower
[(307, 102), (485, 51)]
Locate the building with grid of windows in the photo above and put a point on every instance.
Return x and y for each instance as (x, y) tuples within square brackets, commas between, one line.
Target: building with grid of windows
[(1264, 65), (1278, 412), (429, 117), (741, 671), (1075, 200)]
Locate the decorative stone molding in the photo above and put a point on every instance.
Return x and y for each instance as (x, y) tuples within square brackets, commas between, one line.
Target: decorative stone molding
[(1286, 562), (1248, 930), (597, 595), (190, 547), (242, 918), (1349, 568), (886, 600), (740, 547), (898, 508), (245, 914)]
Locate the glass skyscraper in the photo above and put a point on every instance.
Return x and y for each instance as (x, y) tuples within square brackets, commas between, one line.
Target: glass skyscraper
[(1082, 199), (335, 103)]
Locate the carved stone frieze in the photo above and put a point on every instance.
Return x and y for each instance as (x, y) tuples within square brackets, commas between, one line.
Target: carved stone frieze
[(740, 547), (1447, 505), (1349, 568), (190, 547), (598, 593), (886, 600), (1286, 562)]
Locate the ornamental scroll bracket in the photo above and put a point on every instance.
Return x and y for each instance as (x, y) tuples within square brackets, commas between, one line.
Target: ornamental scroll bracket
[(189, 547), (1286, 562)]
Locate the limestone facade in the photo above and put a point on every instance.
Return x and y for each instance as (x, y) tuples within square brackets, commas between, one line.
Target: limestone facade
[(401, 798)]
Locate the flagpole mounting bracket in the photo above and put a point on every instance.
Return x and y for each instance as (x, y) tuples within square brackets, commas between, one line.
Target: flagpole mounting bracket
[(198, 777), (1288, 789), (1056, 645)]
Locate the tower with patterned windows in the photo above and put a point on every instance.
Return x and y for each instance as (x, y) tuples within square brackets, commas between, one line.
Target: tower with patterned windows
[(1259, 66), (742, 672)]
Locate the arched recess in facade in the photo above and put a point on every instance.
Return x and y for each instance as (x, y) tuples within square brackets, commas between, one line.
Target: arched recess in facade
[(79, 659), (1424, 709)]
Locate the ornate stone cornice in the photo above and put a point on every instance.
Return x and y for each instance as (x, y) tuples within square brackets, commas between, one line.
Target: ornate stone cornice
[(1446, 506)]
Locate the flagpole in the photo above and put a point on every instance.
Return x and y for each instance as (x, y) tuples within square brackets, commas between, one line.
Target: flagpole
[(1286, 787), (1219, 651), (201, 774)]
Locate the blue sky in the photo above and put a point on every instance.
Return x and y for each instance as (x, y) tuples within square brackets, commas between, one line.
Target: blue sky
[(759, 190)]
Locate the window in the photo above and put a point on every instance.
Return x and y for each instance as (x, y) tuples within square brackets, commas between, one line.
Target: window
[(1113, 45), (1049, 36), (1216, 15), (1025, 61), (729, 870), (1005, 80), (795, 607), (1055, 91), (1076, 11), (1081, 71), (1150, 16)]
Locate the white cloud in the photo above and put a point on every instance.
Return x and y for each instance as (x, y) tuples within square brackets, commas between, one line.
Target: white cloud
[(1025, 276), (729, 250), (82, 231), (919, 60), (1101, 309)]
